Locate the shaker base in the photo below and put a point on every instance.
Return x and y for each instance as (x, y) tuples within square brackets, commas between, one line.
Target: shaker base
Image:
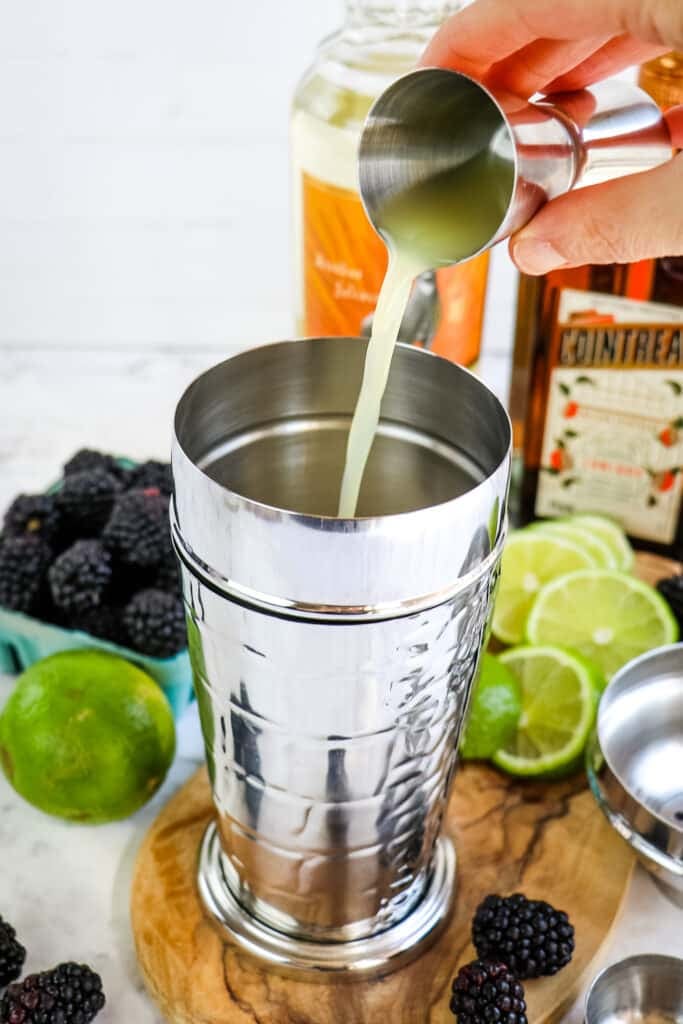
[(377, 954)]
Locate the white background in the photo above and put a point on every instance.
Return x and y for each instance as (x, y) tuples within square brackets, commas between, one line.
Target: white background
[(144, 193), (143, 168)]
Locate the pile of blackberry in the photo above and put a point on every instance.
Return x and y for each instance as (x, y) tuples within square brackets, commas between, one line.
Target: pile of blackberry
[(68, 994), (96, 555), (12, 954), (515, 938)]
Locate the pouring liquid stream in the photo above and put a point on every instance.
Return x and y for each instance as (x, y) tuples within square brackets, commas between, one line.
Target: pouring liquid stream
[(436, 222), (391, 305)]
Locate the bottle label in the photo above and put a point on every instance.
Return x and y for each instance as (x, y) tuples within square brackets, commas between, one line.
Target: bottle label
[(344, 264), (613, 435)]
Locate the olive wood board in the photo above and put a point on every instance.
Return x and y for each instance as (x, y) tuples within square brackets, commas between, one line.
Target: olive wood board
[(548, 840)]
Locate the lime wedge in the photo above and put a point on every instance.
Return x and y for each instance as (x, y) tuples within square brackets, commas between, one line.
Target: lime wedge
[(602, 554), (530, 559), (559, 699), (608, 617), (609, 532), (494, 709)]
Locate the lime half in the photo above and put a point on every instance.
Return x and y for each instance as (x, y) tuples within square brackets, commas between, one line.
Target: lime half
[(609, 617), (609, 532), (559, 700), (602, 554), (530, 559)]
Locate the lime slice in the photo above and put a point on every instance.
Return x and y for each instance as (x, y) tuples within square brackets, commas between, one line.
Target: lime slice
[(494, 710), (609, 617), (530, 559), (559, 700), (602, 554), (609, 532)]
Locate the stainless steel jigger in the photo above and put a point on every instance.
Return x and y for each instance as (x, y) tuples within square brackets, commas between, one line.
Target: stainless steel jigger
[(432, 121), (333, 659)]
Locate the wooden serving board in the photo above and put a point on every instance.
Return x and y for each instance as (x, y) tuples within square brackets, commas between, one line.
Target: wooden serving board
[(548, 840)]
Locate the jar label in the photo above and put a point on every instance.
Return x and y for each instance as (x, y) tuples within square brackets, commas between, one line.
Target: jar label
[(613, 435), (344, 265)]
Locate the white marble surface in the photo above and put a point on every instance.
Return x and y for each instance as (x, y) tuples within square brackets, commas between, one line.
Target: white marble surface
[(66, 887)]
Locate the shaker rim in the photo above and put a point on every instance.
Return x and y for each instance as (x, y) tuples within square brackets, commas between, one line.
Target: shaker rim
[(354, 523)]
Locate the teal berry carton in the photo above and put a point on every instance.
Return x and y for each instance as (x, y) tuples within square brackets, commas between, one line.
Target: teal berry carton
[(25, 640)]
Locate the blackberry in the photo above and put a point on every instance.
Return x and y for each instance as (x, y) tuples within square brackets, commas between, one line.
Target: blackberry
[(68, 994), (529, 935), (671, 590), (79, 578), (86, 499), (151, 474), (138, 533), (154, 623), (12, 954), (23, 563), (34, 514), (87, 458), (168, 576), (487, 992), (104, 621)]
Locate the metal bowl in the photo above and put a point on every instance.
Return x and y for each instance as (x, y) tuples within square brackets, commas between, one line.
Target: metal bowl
[(635, 761), (644, 989)]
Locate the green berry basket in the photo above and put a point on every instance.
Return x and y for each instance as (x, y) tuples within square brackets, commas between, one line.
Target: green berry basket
[(25, 640)]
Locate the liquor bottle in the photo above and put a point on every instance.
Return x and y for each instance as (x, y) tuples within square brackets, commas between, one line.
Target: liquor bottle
[(597, 384), (339, 258)]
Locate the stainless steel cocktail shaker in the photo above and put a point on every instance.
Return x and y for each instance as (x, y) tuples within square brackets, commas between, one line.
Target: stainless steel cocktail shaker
[(431, 122), (333, 659)]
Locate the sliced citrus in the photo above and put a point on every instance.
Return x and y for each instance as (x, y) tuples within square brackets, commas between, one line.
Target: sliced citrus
[(494, 709), (609, 617), (609, 532), (600, 551), (530, 559), (559, 699)]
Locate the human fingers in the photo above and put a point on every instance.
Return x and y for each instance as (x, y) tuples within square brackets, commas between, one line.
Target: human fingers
[(615, 55), (530, 69), (490, 31), (623, 221), (674, 120)]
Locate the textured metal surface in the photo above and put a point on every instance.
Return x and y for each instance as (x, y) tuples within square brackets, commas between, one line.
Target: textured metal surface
[(331, 750), (641, 988), (384, 951), (433, 121), (635, 761), (332, 702)]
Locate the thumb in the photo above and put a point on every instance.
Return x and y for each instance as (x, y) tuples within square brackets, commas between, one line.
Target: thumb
[(633, 218)]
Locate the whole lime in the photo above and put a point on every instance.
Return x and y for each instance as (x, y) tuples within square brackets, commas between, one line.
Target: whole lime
[(495, 707), (86, 736)]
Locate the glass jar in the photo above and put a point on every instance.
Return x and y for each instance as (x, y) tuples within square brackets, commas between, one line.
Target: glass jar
[(339, 259)]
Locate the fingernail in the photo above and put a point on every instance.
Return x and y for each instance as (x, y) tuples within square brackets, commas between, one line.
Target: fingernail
[(536, 257)]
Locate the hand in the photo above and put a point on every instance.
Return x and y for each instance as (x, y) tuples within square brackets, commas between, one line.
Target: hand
[(528, 46)]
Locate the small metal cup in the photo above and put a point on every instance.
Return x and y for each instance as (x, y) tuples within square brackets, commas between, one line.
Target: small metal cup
[(647, 987), (333, 658), (431, 122), (635, 761)]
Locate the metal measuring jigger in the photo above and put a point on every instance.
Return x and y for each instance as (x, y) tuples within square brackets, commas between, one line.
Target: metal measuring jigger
[(433, 122), (333, 658)]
